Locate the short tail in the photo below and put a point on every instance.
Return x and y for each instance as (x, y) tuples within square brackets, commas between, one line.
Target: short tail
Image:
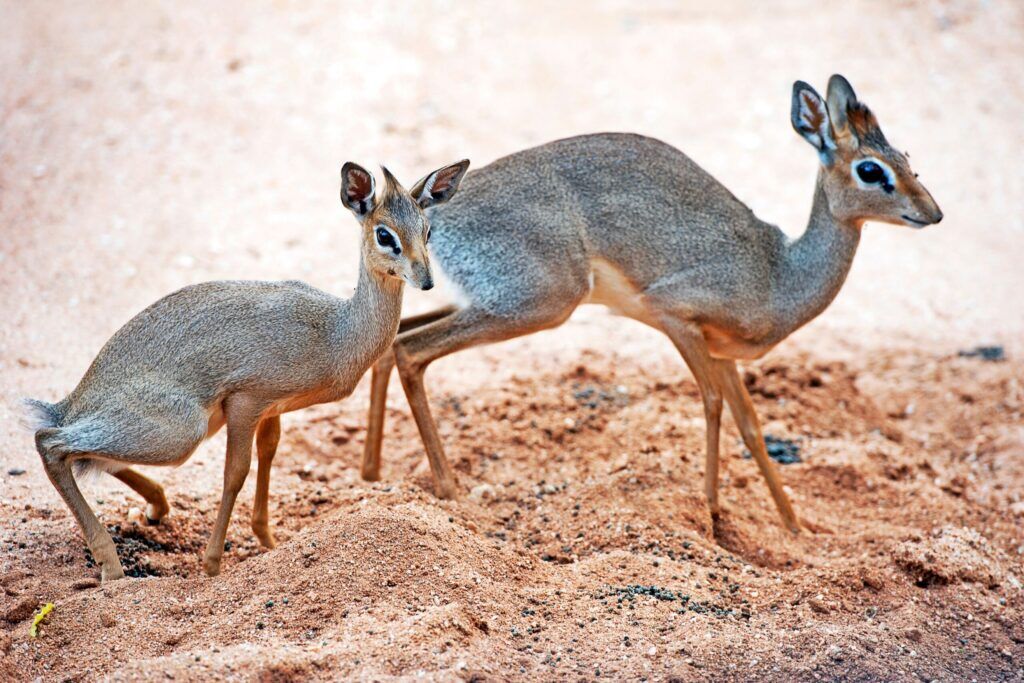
[(44, 421), (40, 415)]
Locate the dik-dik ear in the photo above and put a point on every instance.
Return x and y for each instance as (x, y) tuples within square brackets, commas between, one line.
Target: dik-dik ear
[(810, 117), (439, 186), (357, 187), (841, 99)]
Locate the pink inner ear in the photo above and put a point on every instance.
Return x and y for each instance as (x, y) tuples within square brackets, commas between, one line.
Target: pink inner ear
[(358, 185), (444, 179)]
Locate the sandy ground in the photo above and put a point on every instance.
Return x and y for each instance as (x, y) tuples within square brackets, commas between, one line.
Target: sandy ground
[(143, 149)]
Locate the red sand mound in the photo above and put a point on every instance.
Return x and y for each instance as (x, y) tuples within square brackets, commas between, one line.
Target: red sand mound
[(582, 545)]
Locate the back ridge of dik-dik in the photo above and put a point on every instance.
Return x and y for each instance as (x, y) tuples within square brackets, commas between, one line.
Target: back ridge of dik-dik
[(241, 354), (634, 224)]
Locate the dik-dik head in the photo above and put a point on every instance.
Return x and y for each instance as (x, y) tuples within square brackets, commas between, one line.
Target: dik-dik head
[(395, 229), (864, 177)]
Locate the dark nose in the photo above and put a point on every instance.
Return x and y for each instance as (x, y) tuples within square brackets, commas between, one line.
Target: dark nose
[(428, 283), (938, 217)]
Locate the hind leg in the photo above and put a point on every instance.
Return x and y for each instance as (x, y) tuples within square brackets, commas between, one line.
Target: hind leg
[(267, 436), (151, 491), (58, 469), (379, 394), (241, 416)]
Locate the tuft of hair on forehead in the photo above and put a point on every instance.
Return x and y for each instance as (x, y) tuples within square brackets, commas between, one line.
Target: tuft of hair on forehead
[(865, 125), (397, 201)]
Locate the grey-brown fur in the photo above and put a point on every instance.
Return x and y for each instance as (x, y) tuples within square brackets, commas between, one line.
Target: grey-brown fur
[(234, 353), (635, 224), (270, 340)]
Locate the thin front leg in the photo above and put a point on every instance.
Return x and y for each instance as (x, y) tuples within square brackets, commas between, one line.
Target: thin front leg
[(268, 434), (416, 349), (381, 375), (691, 345), (96, 537), (416, 394), (713, 420), (151, 491), (241, 424), (750, 427), (379, 379)]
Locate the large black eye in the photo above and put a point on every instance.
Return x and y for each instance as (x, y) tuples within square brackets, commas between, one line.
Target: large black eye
[(428, 234), (871, 173), (387, 240)]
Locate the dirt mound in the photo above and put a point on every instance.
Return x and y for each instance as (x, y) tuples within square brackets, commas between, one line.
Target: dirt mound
[(441, 580), (950, 555), (582, 546)]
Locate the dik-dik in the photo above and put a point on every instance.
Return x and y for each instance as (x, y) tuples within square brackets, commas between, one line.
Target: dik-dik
[(240, 354), (636, 225)]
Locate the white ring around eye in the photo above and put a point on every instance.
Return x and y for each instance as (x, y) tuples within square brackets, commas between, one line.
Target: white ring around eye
[(889, 175), (385, 249)]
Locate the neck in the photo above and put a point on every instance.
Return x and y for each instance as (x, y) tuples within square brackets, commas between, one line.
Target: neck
[(816, 265), (372, 315)]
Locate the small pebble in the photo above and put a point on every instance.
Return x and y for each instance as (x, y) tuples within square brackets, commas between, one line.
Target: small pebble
[(989, 353), (15, 471), (136, 516)]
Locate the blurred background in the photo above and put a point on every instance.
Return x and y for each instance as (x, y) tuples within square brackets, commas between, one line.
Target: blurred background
[(147, 146)]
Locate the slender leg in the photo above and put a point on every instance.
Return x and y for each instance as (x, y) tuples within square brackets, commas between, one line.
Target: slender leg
[(690, 343), (379, 394), (267, 436), (412, 382), (241, 423), (375, 422), (151, 491), (713, 417), (415, 350), (746, 419), (96, 537)]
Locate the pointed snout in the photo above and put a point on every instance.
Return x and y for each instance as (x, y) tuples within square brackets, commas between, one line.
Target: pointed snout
[(925, 211), (420, 277), (921, 220), (925, 215)]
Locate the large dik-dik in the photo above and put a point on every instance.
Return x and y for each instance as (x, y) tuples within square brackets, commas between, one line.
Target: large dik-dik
[(636, 225), (240, 354)]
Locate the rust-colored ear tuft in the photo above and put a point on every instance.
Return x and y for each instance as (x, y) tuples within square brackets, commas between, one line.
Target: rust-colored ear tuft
[(864, 126), (862, 121)]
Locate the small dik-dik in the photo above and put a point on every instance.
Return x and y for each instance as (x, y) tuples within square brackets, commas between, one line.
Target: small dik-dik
[(240, 354), (634, 224)]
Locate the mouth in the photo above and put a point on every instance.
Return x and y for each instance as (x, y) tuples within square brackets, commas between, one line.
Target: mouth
[(915, 222)]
